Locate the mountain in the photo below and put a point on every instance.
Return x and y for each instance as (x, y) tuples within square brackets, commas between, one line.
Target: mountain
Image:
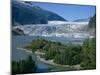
[(82, 20), (92, 22), (17, 31), (27, 13)]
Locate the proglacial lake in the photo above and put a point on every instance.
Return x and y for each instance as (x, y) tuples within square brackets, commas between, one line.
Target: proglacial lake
[(19, 41)]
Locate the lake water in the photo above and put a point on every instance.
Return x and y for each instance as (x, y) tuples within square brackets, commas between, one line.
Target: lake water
[(19, 41)]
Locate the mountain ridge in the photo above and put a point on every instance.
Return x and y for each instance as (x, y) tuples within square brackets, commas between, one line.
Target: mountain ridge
[(82, 20), (24, 13)]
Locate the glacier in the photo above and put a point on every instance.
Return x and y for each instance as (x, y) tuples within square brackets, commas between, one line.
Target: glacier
[(57, 28)]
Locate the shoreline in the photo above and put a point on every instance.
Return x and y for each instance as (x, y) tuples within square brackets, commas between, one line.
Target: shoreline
[(26, 50), (50, 62)]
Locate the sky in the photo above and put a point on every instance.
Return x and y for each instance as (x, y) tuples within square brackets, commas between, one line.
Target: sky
[(69, 12)]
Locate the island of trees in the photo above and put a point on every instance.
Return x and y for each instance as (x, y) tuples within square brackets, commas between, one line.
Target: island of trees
[(70, 54)]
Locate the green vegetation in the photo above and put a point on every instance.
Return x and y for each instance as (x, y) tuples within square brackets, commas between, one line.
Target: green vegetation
[(36, 44), (89, 54), (69, 54), (92, 22), (23, 66), (89, 48)]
